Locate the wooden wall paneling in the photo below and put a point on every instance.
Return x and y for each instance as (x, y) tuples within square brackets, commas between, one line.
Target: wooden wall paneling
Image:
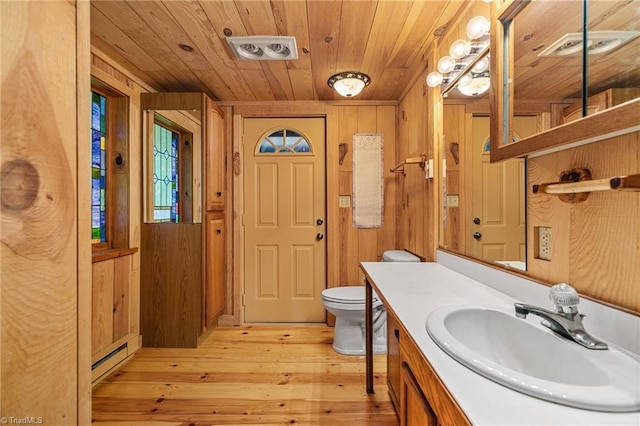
[(415, 208), (229, 315), (102, 306), (39, 215), (135, 206), (349, 270), (457, 182), (348, 253), (118, 161), (85, 269), (238, 219), (121, 273), (334, 211), (595, 243), (367, 238), (171, 284), (121, 297), (402, 195), (386, 124)]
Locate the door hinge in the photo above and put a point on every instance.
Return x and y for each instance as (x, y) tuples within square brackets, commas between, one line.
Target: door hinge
[(243, 300)]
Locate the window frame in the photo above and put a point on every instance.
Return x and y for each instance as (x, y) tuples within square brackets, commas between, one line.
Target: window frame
[(117, 168), (189, 168)]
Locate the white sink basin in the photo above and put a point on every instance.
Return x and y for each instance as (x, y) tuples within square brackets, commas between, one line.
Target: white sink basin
[(533, 360)]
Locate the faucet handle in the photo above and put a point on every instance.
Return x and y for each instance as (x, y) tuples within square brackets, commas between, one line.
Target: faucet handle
[(565, 298)]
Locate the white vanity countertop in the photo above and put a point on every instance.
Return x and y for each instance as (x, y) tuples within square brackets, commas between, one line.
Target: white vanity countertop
[(413, 290)]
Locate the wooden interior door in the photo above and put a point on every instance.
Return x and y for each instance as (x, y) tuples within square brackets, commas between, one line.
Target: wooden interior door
[(498, 215), (285, 205)]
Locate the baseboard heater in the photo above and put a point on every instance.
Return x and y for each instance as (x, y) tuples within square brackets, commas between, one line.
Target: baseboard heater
[(108, 357), (113, 356)]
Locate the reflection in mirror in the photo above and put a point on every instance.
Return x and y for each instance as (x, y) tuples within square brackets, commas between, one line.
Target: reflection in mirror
[(613, 46), (548, 64), (484, 211)]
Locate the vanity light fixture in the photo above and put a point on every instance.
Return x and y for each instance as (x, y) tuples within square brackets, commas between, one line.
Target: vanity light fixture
[(263, 48), (467, 65), (349, 83)]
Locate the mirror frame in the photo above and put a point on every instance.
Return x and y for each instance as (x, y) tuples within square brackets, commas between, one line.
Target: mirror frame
[(615, 121)]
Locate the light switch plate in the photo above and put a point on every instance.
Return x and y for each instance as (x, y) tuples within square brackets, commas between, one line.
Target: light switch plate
[(453, 200), (344, 201)]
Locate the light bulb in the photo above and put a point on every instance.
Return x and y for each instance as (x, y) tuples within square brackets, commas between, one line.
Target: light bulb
[(478, 27), (446, 64), (477, 86), (481, 66), (349, 87), (460, 48), (465, 79), (434, 79)]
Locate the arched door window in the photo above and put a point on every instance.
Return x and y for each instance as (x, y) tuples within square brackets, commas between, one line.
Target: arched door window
[(284, 141)]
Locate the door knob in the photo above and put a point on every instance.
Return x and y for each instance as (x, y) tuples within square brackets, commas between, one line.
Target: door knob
[(477, 235), (319, 236), (319, 222), (476, 220)]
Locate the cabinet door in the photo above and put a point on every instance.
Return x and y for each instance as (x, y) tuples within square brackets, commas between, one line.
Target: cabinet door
[(415, 408), (214, 288), (393, 359), (215, 157)]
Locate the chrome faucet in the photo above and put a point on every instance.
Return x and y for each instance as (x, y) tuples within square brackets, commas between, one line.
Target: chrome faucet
[(566, 320)]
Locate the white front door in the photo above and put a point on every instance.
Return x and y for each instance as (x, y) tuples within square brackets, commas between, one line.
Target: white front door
[(285, 207)]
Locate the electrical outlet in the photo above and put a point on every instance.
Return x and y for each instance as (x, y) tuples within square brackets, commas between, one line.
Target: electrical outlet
[(544, 242), (453, 200), (344, 201)]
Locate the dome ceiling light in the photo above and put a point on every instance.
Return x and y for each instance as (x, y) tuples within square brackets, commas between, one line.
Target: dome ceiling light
[(349, 83), (264, 48)]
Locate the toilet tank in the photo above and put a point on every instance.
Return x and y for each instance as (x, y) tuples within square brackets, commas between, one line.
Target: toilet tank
[(399, 256)]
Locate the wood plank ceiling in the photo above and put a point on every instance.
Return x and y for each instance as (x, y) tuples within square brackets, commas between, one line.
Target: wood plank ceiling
[(181, 45)]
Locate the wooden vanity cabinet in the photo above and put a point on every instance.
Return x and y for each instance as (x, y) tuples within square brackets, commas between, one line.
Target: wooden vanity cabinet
[(393, 359), (415, 407), (424, 400)]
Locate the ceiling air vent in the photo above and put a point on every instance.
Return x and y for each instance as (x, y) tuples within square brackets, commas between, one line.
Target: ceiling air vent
[(597, 41), (264, 48)]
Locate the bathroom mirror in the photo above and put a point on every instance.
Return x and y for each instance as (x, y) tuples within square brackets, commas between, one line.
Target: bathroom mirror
[(484, 203), (538, 64)]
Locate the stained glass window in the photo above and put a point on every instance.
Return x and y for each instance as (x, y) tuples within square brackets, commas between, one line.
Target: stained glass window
[(284, 141), (165, 174), (98, 168)]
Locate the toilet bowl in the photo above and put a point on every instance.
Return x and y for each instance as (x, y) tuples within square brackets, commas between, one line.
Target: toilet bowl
[(348, 306)]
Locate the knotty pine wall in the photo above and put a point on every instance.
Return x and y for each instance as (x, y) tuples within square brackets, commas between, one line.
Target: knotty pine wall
[(116, 281), (45, 266), (360, 245), (595, 243), (417, 200)]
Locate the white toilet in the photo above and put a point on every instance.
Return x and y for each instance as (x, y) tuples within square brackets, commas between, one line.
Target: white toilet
[(348, 305)]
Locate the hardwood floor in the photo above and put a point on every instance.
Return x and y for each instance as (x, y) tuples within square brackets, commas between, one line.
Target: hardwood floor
[(254, 375)]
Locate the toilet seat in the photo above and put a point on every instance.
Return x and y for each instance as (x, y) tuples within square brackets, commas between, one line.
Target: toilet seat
[(349, 295)]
